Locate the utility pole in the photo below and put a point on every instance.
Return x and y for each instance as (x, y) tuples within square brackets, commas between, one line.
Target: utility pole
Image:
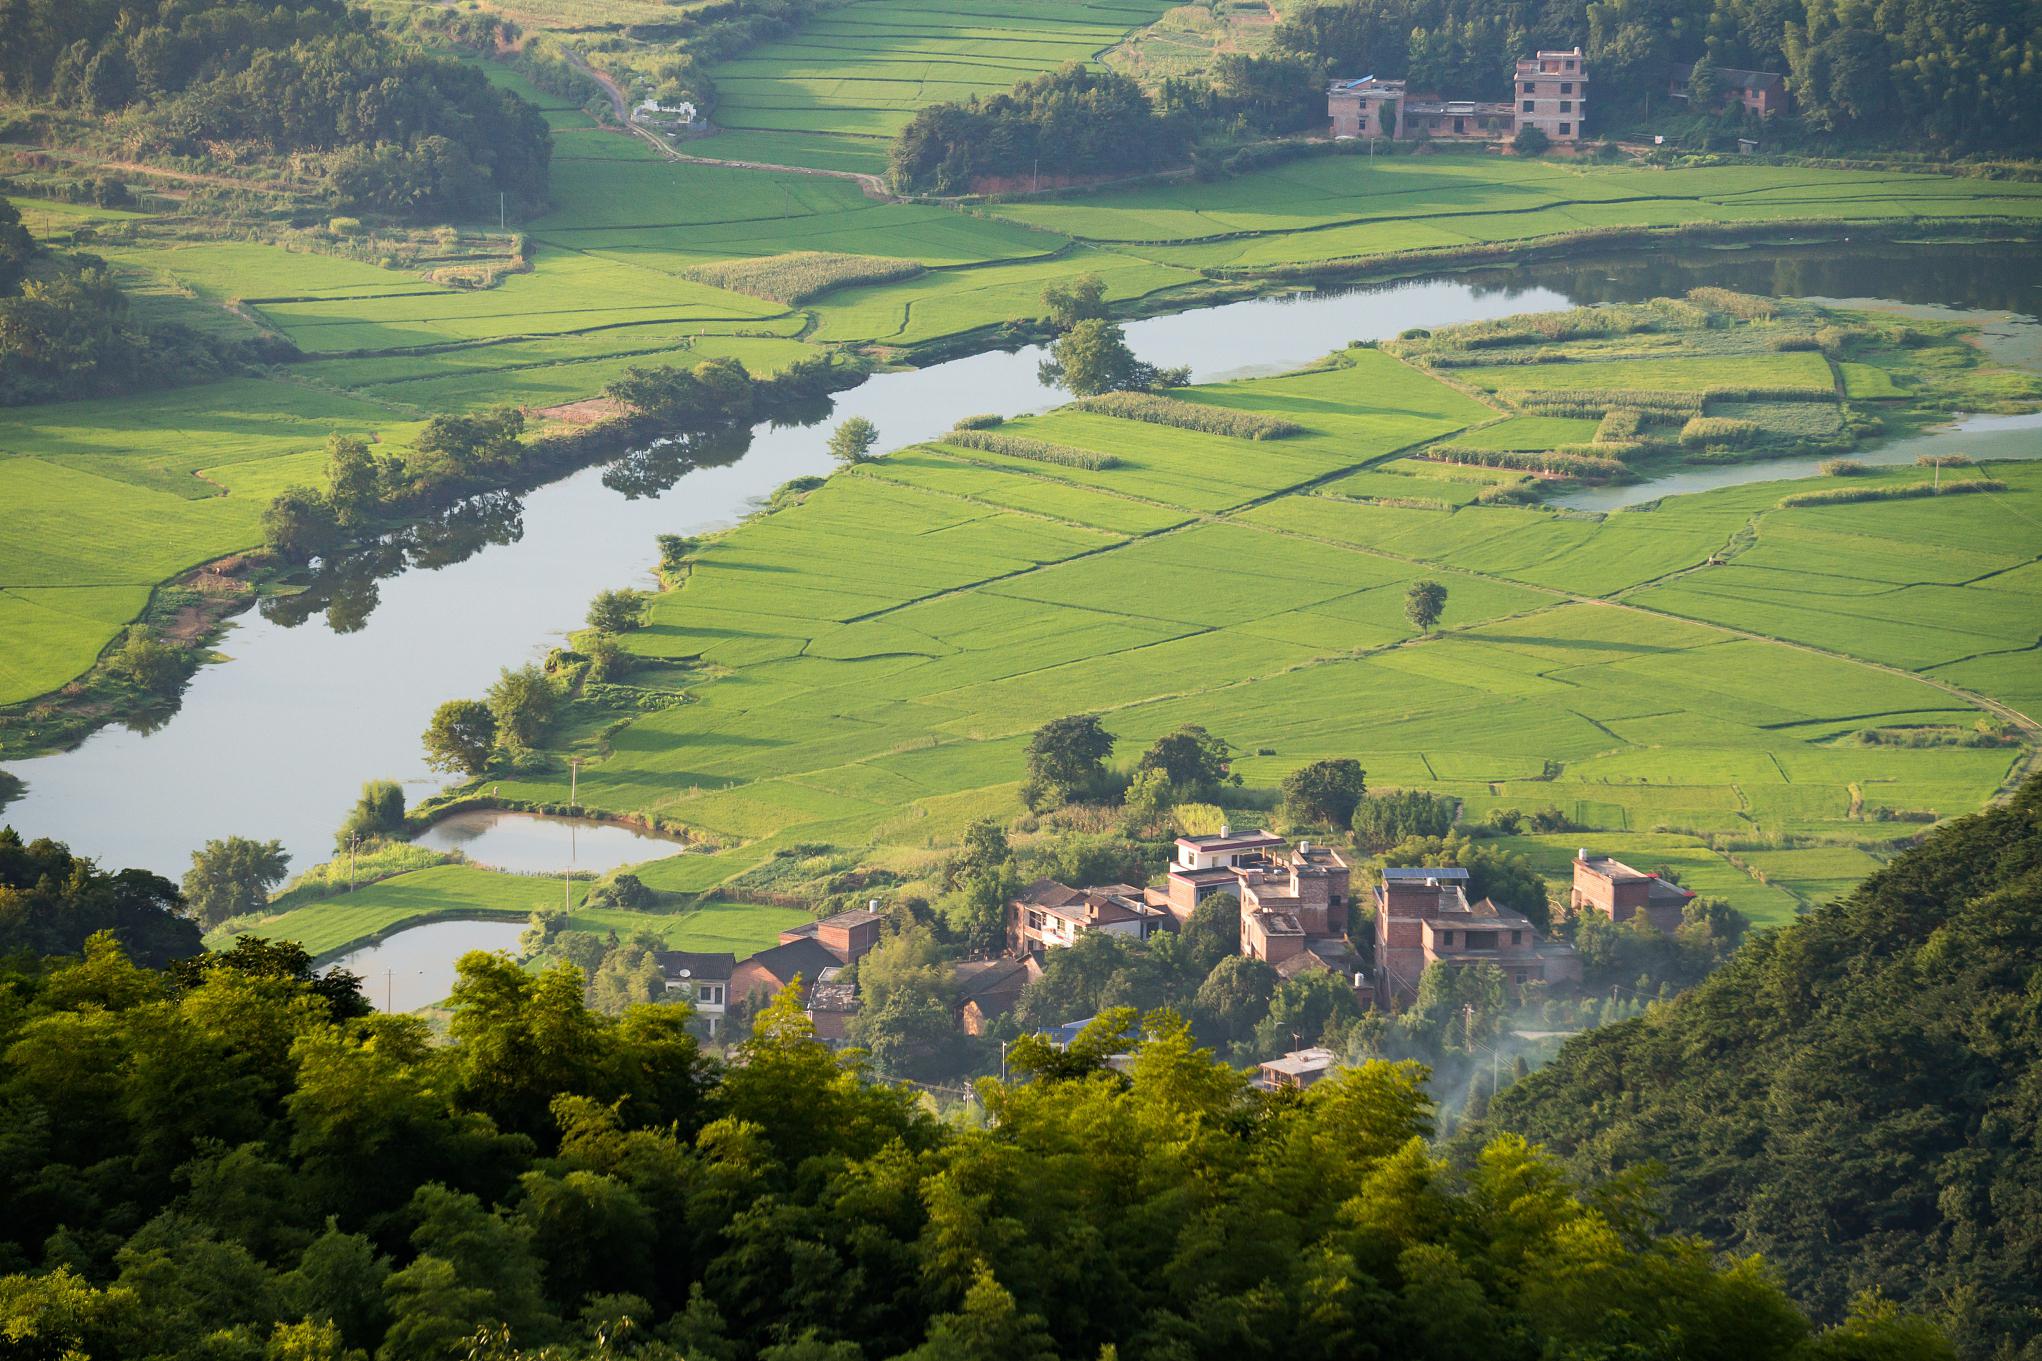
[(354, 839), (502, 222), (573, 784), (1468, 1011)]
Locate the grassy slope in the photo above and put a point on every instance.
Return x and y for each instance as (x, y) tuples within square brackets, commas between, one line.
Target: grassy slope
[(851, 690)]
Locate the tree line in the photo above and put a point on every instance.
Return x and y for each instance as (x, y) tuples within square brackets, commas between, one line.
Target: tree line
[(400, 131), (229, 1157)]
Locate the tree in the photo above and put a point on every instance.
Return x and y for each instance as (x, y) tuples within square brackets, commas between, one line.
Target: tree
[(1234, 998), (1424, 603), (1704, 88), (1212, 932), (378, 812), (522, 701), (1193, 759), (299, 525), (1093, 357), (1070, 301), (148, 663), (852, 441), (233, 877), (1531, 140), (1505, 876), (1382, 820), (617, 611), (1324, 793), (1066, 761), (17, 249), (52, 903), (461, 737), (1301, 1008), (356, 480), (1460, 1008)]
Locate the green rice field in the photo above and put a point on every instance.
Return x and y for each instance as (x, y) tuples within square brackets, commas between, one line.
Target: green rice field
[(864, 667)]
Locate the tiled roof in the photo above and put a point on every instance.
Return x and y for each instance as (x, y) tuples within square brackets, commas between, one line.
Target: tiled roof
[(1420, 873), (1302, 1061), (857, 916), (806, 958)]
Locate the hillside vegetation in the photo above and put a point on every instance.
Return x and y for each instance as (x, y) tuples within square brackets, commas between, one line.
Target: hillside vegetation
[(231, 1159), (1854, 1097)]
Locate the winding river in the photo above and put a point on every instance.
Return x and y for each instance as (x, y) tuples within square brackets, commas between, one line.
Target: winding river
[(276, 741)]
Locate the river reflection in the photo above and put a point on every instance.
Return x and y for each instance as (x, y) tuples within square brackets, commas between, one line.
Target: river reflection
[(530, 843)]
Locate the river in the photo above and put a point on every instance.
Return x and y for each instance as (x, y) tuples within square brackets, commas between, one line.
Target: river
[(276, 741)]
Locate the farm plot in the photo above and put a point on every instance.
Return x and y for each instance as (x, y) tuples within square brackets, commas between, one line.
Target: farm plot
[(834, 93), (878, 653)]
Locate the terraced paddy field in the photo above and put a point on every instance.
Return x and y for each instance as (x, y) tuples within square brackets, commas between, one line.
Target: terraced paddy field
[(864, 667), (834, 94)]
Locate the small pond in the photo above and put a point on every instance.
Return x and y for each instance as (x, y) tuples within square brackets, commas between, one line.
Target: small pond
[(529, 843), (415, 967)]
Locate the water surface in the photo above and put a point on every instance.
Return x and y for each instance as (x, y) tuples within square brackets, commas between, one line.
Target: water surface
[(532, 843), (415, 967)]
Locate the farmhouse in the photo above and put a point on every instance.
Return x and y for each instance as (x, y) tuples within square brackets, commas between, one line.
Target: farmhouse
[(701, 978), (1424, 918), (1761, 92), (676, 117), (1549, 92), (831, 1004), (1609, 886), (1296, 1070), (988, 989), (766, 973), (1262, 869), (1048, 915), (848, 935)]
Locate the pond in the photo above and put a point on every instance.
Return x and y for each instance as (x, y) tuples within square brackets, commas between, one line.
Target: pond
[(530, 843), (276, 741), (415, 967)]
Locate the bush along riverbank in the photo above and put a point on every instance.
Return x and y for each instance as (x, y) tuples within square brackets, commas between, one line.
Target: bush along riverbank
[(453, 493)]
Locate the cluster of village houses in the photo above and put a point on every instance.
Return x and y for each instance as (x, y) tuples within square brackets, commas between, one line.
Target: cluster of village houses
[(1296, 914)]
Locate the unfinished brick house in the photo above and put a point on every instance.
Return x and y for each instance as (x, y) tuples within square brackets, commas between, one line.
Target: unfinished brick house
[(1266, 873), (1549, 92), (1609, 886), (1424, 919), (848, 935)]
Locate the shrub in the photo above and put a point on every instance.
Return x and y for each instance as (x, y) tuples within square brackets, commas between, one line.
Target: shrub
[(1942, 461), (1620, 423), (983, 422), (1531, 140), (1744, 306), (1036, 450), (797, 276), (1903, 492), (1701, 430), (1572, 465), (1212, 420)]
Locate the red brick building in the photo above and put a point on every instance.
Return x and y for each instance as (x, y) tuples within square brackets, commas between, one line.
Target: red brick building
[(1609, 886), (1424, 920), (1549, 91), (1761, 92), (1048, 915), (848, 935)]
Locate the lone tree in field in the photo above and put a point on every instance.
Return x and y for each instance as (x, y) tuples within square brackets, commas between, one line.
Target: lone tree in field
[(233, 877), (1194, 761), (616, 611), (1070, 301), (461, 737), (1066, 760), (1093, 357), (852, 441), (522, 702), (1424, 603), (1324, 792), (378, 812)]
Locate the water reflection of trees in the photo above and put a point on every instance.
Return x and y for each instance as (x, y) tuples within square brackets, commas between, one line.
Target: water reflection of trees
[(654, 469), (345, 588)]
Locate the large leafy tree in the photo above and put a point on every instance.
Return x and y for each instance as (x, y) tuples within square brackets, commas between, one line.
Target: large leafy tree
[(1067, 760), (232, 877)]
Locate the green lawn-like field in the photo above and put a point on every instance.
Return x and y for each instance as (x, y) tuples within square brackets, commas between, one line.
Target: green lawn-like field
[(867, 664)]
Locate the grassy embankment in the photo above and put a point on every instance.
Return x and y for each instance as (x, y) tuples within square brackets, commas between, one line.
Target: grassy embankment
[(864, 667), (147, 486)]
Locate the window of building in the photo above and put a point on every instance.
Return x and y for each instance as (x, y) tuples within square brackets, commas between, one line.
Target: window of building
[(1566, 129), (1530, 88), (1517, 937), (1566, 87), (1446, 938), (1481, 940), (1520, 977), (709, 994), (1527, 106), (1566, 106)]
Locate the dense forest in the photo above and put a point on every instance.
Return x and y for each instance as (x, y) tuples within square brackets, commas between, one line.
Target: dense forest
[(401, 131), (231, 1159), (1855, 1097), (1957, 74)]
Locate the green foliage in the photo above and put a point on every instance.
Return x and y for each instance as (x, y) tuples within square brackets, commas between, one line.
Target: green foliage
[(851, 442), (1192, 760), (1234, 998), (1531, 140), (617, 611), (797, 276), (1070, 301), (1890, 491), (1212, 933), (461, 737), (1493, 872), (1071, 121), (1174, 411), (1034, 450), (1324, 793), (379, 812), (52, 903), (17, 249), (1093, 357), (299, 525), (1706, 430), (1867, 1064), (522, 701), (1066, 761), (713, 392), (233, 877), (149, 664), (1424, 603)]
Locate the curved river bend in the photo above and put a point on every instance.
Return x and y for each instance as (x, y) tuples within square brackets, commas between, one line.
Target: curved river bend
[(276, 741)]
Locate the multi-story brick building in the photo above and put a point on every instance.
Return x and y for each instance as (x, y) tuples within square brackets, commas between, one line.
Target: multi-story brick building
[(1048, 915), (848, 935), (1549, 91), (1267, 873), (1609, 886), (1424, 920)]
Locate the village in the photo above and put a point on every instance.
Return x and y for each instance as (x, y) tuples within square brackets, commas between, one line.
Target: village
[(1297, 913)]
